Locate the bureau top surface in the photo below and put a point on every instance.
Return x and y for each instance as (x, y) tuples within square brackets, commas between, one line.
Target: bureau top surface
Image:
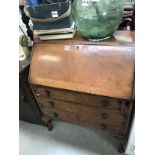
[(102, 68)]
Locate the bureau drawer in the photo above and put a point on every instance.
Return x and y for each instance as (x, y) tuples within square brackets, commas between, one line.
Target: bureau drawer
[(84, 112), (78, 97), (57, 104), (62, 115), (102, 115), (118, 130), (73, 118)]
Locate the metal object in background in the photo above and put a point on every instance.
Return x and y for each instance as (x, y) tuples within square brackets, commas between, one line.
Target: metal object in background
[(24, 50), (128, 20), (26, 21)]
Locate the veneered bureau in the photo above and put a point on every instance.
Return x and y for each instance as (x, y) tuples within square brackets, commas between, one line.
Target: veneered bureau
[(86, 83)]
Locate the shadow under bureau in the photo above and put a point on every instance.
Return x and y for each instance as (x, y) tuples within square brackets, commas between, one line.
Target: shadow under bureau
[(86, 83)]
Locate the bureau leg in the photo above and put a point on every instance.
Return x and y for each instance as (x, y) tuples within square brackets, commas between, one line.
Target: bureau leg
[(50, 127), (48, 121), (121, 145)]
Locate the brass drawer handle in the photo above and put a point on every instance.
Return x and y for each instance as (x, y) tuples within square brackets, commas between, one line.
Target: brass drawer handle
[(55, 114), (47, 92), (51, 104), (104, 115), (106, 103), (103, 126)]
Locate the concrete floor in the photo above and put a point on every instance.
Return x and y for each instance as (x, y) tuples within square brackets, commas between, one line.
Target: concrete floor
[(64, 139)]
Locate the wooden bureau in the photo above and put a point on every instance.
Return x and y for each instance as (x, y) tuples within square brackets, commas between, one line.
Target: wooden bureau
[(86, 83)]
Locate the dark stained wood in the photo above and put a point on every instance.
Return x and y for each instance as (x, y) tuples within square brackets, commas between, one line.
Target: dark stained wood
[(128, 118), (84, 112), (78, 108), (104, 127), (81, 98), (73, 118), (62, 115)]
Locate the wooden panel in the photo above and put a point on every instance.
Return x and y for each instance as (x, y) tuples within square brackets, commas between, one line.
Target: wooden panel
[(103, 117), (84, 113), (117, 113), (80, 98), (60, 105), (105, 68), (73, 118), (62, 115), (118, 130)]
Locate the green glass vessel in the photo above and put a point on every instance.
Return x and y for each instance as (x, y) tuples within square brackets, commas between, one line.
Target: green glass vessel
[(97, 19)]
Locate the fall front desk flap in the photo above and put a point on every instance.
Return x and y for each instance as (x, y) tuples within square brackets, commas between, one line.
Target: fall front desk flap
[(101, 68)]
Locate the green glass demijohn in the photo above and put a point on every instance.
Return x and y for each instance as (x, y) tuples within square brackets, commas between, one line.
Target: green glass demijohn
[(97, 19)]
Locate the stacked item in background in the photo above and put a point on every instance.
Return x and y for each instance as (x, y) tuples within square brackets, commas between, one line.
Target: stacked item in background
[(128, 20), (62, 33), (51, 19), (25, 43)]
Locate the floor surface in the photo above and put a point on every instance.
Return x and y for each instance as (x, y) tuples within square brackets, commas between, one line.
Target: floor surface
[(64, 139)]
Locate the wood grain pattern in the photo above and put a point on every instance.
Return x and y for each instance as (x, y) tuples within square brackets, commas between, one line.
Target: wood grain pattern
[(84, 109), (73, 118), (81, 98), (105, 68), (62, 115), (84, 112)]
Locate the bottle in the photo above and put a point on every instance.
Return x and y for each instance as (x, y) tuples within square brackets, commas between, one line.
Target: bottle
[(97, 19)]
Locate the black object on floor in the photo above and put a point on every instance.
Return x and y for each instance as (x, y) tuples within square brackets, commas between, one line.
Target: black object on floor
[(28, 109)]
